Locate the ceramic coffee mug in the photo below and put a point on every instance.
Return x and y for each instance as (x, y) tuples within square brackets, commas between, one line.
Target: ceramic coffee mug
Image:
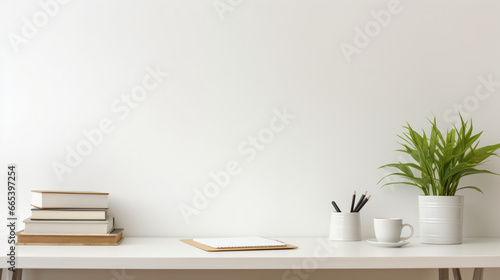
[(389, 229)]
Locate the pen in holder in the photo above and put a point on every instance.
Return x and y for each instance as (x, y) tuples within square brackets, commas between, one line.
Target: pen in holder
[(345, 226)]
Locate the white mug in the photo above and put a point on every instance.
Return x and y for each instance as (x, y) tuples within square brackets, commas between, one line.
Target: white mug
[(389, 229)]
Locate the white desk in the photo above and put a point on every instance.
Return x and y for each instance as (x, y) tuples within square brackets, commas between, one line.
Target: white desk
[(170, 253)]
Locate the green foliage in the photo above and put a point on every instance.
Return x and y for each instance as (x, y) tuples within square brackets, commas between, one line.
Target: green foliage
[(441, 160)]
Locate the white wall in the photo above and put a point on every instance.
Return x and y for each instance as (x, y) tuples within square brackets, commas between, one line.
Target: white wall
[(227, 79)]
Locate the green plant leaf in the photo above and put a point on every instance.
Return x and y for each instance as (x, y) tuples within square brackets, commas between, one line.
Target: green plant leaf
[(471, 187), (441, 160), (407, 183)]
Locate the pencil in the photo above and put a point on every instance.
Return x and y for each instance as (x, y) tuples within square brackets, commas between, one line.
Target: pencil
[(353, 201), (361, 199), (363, 204), (336, 207)]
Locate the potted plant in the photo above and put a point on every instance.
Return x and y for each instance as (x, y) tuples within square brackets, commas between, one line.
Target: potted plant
[(440, 162)]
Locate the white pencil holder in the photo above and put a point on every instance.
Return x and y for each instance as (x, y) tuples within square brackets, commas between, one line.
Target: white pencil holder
[(345, 227)]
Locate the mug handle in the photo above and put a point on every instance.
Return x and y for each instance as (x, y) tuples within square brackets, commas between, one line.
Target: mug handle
[(411, 234)]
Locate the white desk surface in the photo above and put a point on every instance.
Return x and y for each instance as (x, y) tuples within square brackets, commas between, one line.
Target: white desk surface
[(170, 253)]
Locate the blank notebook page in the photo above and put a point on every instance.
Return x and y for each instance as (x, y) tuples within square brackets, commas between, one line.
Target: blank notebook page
[(239, 242)]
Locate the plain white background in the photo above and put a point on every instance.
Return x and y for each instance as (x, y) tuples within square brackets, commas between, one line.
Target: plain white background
[(227, 79)]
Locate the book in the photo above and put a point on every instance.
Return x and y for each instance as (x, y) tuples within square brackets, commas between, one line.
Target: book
[(68, 227), (239, 242), (114, 238), (69, 214), (69, 199)]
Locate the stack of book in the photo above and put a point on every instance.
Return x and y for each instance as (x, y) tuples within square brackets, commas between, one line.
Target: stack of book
[(69, 218)]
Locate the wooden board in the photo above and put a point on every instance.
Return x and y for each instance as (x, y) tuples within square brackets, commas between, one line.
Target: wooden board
[(70, 192), (112, 239), (72, 244), (48, 208), (212, 249)]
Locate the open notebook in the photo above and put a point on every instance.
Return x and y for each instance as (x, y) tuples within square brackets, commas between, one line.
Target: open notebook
[(239, 242)]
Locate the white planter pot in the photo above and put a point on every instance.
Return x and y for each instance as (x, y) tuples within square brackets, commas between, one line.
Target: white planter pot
[(441, 219)]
